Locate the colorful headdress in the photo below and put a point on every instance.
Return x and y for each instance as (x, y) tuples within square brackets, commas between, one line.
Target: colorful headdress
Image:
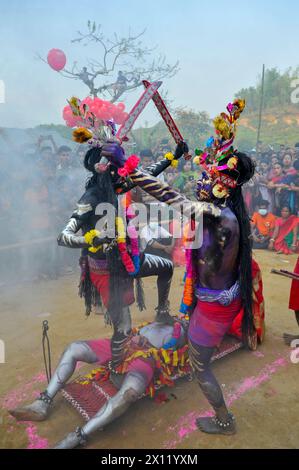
[(95, 119), (219, 159)]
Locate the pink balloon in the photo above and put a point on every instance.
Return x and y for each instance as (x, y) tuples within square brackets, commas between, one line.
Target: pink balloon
[(102, 109), (56, 59), (121, 106)]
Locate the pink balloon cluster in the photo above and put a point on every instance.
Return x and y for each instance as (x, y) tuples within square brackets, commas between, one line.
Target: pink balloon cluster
[(100, 108)]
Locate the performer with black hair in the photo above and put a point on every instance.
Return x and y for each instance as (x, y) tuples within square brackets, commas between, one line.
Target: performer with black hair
[(111, 261), (218, 281)]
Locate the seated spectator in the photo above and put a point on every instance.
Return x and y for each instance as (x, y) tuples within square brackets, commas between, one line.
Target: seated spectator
[(285, 236), (156, 240), (263, 224)]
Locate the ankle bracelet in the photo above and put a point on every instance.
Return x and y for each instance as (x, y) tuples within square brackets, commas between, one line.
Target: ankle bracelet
[(225, 424), (81, 435), (45, 398)]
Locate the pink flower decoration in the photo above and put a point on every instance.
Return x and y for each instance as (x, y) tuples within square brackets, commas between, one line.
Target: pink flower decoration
[(130, 165)]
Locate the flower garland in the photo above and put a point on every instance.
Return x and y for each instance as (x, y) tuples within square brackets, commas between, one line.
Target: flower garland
[(188, 294), (131, 264)]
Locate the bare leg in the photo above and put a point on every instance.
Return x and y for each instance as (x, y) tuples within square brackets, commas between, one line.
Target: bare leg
[(223, 422), (38, 410), (153, 265), (134, 385), (288, 338), (121, 332)]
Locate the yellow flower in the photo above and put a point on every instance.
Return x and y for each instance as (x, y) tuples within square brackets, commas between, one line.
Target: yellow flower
[(174, 163), (81, 135), (120, 228), (89, 236), (196, 160), (169, 156), (232, 163), (219, 191), (223, 127), (240, 103)]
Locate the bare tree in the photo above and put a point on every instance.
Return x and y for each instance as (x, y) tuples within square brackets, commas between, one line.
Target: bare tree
[(125, 55)]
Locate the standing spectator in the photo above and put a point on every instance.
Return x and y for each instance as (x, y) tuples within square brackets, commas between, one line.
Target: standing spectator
[(287, 163), (279, 185), (64, 159)]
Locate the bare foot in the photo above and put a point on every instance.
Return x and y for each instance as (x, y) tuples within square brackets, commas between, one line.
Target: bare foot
[(289, 338), (37, 411), (72, 440), (210, 426)]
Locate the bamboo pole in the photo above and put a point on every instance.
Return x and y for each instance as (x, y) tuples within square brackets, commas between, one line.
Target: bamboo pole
[(261, 108)]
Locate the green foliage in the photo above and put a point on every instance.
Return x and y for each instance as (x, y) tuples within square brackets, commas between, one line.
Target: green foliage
[(194, 126), (277, 90)]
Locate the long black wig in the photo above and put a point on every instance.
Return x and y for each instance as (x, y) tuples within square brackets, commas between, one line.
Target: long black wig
[(102, 186), (245, 171)]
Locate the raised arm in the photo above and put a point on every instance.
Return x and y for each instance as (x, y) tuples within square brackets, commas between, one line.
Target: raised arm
[(164, 193)]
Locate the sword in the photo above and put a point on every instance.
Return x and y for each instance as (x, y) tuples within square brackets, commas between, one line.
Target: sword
[(146, 96), (166, 116)]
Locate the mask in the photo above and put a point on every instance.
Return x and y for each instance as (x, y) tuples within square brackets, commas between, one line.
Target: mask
[(263, 211)]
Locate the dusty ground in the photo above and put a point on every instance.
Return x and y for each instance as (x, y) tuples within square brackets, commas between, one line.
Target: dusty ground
[(261, 387)]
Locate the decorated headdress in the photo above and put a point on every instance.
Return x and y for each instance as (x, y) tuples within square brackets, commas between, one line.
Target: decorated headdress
[(95, 123), (95, 119), (219, 159)]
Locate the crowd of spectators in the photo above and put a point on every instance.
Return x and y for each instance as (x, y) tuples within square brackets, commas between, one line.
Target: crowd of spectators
[(272, 196), (40, 185)]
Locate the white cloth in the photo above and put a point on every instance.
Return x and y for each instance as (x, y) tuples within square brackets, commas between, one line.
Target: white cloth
[(152, 232)]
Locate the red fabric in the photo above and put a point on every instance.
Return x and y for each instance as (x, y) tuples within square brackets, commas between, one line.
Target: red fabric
[(102, 348), (285, 227), (258, 309), (210, 321), (294, 293), (101, 283)]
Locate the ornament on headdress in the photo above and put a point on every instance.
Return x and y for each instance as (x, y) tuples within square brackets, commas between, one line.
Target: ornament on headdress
[(219, 154), (95, 119)]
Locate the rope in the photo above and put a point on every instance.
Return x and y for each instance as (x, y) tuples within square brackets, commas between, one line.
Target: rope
[(46, 345)]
